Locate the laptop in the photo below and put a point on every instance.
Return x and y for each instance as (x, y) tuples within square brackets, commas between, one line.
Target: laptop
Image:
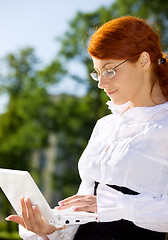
[(17, 184)]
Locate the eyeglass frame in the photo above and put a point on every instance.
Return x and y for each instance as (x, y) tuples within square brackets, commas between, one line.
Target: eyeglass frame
[(106, 70)]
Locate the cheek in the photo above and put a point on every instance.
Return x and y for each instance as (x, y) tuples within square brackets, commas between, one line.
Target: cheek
[(128, 83), (130, 78)]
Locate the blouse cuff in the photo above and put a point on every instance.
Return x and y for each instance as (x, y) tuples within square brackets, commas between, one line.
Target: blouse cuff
[(53, 235), (113, 205), (25, 234)]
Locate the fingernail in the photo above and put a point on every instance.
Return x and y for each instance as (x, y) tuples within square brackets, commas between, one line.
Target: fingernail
[(7, 219), (60, 202), (58, 208), (34, 207), (76, 209)]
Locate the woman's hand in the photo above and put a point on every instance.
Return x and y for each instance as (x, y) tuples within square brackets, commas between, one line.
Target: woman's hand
[(32, 220), (86, 203)]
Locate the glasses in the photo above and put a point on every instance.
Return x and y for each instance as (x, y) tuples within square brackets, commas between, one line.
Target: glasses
[(109, 73)]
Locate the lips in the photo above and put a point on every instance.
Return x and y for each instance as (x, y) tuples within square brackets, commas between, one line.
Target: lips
[(111, 92)]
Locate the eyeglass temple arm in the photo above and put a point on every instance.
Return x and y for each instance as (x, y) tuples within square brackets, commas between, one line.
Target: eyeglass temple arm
[(120, 64)]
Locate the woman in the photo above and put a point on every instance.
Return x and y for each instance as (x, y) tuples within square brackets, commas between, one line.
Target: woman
[(124, 168)]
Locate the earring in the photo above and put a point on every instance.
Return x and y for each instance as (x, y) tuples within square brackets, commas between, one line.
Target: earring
[(162, 61)]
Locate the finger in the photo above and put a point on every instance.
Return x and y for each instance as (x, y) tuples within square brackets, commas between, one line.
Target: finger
[(78, 201), (24, 213), (90, 208), (39, 221), (27, 213), (42, 225), (29, 210), (60, 228), (69, 199), (71, 204), (15, 218), (72, 201)]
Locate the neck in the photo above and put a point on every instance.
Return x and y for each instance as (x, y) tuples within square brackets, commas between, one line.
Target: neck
[(152, 99)]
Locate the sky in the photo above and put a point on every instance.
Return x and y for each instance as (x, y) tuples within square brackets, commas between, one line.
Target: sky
[(37, 24)]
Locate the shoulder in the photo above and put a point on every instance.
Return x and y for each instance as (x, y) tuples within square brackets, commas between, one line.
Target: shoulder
[(163, 117), (103, 123), (106, 119)]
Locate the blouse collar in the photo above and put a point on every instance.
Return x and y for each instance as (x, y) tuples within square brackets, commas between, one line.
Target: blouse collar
[(120, 109), (117, 109)]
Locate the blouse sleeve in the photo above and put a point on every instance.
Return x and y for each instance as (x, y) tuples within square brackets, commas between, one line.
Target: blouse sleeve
[(87, 184), (144, 210), (66, 234), (86, 187)]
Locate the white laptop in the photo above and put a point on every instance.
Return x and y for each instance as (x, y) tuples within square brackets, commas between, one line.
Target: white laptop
[(16, 184)]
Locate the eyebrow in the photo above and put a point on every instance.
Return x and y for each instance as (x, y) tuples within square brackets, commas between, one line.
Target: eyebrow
[(104, 65)]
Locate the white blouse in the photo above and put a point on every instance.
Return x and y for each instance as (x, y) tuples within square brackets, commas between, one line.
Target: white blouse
[(129, 150)]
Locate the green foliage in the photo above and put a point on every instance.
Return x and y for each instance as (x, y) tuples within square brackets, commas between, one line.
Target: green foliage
[(12, 231), (74, 131), (26, 124), (9, 236), (155, 12)]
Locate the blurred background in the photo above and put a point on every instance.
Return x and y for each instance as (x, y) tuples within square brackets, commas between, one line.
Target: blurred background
[(48, 102)]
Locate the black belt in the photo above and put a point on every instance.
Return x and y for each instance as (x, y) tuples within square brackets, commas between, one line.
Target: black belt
[(124, 190), (116, 230)]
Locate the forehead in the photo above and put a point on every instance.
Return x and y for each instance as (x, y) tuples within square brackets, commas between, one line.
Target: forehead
[(101, 63)]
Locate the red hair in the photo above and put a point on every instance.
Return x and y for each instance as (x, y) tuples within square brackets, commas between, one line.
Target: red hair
[(126, 38)]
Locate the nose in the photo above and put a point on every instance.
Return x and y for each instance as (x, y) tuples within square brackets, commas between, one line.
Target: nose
[(102, 82)]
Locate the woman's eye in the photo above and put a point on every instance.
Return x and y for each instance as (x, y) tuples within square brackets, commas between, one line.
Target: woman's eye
[(109, 70)]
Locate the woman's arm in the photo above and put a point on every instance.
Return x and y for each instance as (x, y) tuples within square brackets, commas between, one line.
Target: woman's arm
[(85, 203), (66, 234), (84, 200), (28, 235), (33, 226), (143, 210)]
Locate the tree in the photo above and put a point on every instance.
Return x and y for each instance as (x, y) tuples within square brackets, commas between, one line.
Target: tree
[(26, 123), (28, 120), (155, 12)]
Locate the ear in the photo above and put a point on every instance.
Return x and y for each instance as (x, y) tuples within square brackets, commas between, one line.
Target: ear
[(144, 61)]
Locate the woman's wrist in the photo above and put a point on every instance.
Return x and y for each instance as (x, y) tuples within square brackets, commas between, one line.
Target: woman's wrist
[(44, 236)]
